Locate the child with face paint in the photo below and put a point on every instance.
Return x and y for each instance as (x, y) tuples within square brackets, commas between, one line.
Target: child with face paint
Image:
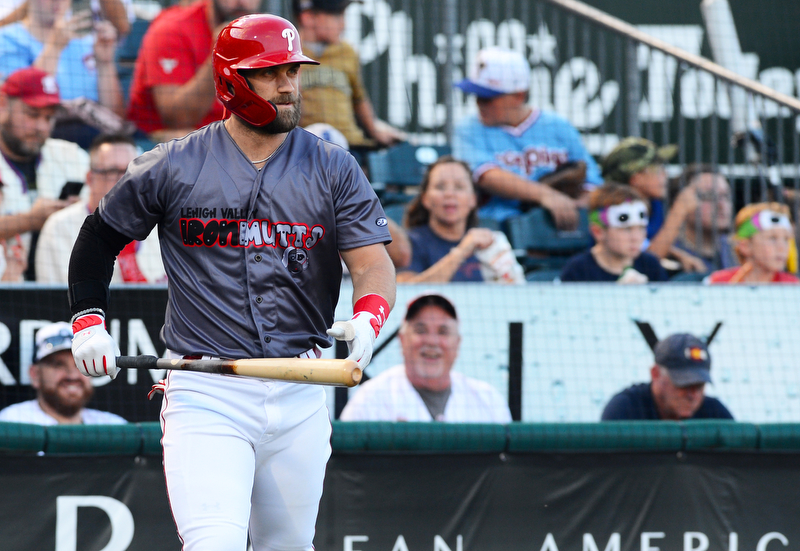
[(763, 241), (618, 218)]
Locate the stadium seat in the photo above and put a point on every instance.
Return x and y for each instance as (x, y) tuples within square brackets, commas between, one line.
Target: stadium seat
[(397, 168), (536, 231), (689, 277), (542, 276), (540, 245)]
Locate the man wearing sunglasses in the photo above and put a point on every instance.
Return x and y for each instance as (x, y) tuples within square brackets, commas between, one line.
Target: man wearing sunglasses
[(61, 391)]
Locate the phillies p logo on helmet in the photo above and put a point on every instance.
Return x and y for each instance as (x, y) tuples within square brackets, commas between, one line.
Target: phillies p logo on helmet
[(289, 35)]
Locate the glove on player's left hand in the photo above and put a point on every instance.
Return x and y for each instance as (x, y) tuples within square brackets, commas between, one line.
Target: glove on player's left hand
[(359, 334), (361, 331)]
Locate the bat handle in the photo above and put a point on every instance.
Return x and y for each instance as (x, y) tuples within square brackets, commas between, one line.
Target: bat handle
[(137, 362)]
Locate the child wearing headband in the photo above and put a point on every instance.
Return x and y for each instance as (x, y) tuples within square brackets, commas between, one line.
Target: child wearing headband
[(763, 241), (618, 217)]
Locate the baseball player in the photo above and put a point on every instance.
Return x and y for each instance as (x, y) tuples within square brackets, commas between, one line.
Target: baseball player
[(230, 199)]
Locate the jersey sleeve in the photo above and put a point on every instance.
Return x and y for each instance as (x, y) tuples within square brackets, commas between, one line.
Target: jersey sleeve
[(360, 219), (136, 204)]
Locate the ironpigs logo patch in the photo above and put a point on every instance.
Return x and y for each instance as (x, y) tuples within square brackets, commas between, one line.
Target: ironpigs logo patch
[(381, 222), (296, 239)]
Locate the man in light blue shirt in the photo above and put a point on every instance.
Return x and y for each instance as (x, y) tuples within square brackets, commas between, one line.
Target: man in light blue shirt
[(509, 145)]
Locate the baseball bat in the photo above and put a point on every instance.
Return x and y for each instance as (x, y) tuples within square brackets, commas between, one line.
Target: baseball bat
[(296, 370)]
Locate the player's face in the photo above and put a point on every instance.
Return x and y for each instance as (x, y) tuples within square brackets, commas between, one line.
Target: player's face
[(675, 402), (60, 385), (651, 182), (625, 243), (228, 10), (281, 85), (108, 164), (24, 129), (716, 201), (430, 345), (449, 195), (769, 249)]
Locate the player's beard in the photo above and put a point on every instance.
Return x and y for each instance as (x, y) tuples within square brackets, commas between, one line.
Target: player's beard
[(285, 120), (68, 405)]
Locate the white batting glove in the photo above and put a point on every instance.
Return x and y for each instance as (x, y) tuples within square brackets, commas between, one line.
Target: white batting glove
[(94, 350), (359, 333)]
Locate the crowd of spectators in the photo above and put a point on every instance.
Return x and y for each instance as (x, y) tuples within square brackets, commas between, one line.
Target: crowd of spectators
[(643, 227)]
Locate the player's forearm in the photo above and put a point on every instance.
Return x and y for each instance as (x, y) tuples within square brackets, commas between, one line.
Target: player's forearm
[(372, 271), (91, 264), (185, 106), (506, 184)]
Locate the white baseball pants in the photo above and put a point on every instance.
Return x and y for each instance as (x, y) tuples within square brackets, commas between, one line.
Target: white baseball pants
[(244, 454)]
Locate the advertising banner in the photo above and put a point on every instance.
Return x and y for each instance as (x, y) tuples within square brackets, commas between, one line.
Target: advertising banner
[(437, 502)]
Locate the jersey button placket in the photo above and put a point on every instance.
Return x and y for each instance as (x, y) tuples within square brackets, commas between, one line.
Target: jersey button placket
[(259, 300), (258, 258), (267, 339)]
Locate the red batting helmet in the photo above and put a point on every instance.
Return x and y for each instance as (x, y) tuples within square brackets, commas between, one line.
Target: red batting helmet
[(253, 42)]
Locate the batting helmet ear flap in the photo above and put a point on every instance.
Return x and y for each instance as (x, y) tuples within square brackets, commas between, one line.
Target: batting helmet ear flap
[(253, 42)]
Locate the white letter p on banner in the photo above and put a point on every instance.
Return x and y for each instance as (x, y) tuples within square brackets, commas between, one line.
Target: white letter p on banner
[(67, 521)]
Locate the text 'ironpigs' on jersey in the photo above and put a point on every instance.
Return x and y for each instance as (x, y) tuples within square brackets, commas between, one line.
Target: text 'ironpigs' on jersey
[(249, 233)]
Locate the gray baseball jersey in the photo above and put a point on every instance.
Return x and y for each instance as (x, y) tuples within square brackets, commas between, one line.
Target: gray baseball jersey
[(251, 256)]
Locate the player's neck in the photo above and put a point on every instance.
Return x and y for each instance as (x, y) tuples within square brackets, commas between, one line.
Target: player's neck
[(256, 146)]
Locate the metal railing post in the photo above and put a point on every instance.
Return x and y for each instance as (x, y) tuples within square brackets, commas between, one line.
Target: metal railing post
[(633, 88)]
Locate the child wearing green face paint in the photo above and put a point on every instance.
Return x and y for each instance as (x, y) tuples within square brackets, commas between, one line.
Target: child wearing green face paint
[(764, 241)]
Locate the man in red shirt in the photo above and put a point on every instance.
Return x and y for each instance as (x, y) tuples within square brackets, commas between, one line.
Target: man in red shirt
[(173, 89)]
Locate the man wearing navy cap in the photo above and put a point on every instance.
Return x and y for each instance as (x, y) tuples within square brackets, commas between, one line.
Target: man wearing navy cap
[(681, 370), (61, 391)]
